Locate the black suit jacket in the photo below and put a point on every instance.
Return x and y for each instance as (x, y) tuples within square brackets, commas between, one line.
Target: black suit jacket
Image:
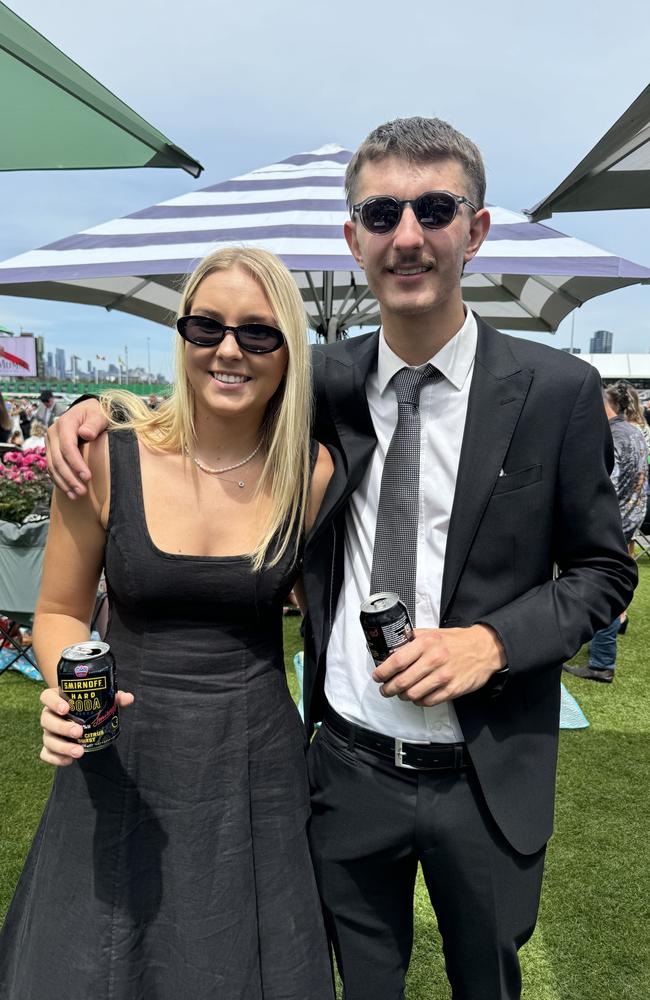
[(537, 414)]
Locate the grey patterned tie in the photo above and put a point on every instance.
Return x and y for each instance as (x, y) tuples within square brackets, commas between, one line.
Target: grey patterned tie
[(394, 557)]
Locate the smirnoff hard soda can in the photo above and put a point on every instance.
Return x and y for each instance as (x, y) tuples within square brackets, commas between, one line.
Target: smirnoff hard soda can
[(386, 625), (86, 675)]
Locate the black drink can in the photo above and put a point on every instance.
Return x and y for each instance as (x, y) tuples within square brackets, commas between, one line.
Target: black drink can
[(386, 625), (87, 681)]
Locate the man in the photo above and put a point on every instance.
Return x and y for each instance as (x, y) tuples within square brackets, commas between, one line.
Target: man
[(444, 755), (629, 478), (48, 408)]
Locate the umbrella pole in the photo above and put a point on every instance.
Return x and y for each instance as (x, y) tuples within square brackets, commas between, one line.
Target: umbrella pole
[(332, 330)]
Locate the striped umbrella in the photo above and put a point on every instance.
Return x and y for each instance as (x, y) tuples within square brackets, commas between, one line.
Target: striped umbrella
[(526, 277)]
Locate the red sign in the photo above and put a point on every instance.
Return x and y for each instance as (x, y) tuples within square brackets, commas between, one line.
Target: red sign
[(17, 357)]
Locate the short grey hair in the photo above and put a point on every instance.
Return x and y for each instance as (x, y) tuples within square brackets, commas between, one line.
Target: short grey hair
[(419, 140)]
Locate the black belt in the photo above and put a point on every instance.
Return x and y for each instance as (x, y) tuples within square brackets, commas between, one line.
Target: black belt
[(414, 756)]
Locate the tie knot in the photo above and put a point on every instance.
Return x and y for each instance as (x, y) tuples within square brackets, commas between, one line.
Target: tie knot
[(409, 381)]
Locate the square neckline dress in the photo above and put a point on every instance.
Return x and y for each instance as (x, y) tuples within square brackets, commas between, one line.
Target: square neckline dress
[(175, 862)]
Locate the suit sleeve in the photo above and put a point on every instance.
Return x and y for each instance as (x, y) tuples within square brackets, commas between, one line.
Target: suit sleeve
[(596, 577)]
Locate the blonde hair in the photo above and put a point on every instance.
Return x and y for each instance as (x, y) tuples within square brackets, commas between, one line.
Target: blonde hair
[(287, 421)]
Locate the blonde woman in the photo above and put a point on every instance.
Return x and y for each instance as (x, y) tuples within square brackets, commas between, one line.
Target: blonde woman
[(174, 862)]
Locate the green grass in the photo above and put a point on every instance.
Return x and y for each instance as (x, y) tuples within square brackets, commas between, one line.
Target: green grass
[(591, 941)]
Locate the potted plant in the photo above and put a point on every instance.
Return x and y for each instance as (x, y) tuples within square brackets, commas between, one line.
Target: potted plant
[(25, 486), (25, 489)]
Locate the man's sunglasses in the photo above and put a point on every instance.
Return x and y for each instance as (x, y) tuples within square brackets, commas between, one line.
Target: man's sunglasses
[(381, 214), (206, 332)]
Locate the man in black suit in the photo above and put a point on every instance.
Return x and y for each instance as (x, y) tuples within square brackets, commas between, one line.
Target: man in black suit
[(445, 755)]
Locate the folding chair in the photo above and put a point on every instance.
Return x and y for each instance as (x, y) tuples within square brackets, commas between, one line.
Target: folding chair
[(21, 565)]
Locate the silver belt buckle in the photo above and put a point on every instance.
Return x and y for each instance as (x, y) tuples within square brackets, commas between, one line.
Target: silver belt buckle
[(399, 753)]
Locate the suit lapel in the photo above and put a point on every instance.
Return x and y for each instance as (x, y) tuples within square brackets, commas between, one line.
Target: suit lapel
[(497, 394)]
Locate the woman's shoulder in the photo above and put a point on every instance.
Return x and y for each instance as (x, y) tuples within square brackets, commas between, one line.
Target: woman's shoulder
[(322, 464)]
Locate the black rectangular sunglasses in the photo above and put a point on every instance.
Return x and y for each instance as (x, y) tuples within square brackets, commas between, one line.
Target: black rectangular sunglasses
[(207, 332), (381, 214)]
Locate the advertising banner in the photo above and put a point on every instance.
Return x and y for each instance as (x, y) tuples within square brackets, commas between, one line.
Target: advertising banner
[(17, 357)]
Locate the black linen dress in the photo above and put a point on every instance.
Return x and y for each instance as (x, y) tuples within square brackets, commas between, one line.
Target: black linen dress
[(174, 863)]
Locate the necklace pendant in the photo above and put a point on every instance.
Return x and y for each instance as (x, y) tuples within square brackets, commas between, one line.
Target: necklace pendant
[(241, 484)]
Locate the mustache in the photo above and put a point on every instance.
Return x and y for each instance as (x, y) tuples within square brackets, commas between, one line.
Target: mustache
[(404, 262)]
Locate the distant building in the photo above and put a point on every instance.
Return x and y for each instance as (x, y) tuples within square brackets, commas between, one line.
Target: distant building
[(40, 356), (59, 363), (49, 365), (601, 342), (570, 350)]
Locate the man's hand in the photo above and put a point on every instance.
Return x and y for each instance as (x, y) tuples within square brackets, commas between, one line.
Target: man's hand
[(441, 664), (65, 464)]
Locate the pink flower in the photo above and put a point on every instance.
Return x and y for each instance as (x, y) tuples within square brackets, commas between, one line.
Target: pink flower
[(28, 475), (12, 456), (41, 464)]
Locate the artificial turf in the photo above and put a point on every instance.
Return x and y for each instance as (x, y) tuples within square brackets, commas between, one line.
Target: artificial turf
[(592, 936)]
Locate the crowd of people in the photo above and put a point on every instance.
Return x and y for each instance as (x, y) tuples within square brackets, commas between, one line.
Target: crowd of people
[(470, 472), (24, 423)]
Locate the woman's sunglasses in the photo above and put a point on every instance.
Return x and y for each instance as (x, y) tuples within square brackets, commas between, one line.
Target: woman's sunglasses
[(253, 337), (381, 214)]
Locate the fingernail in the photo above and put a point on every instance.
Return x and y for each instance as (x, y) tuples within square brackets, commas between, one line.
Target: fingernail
[(78, 490), (84, 476), (62, 707), (77, 732), (71, 495), (78, 752)]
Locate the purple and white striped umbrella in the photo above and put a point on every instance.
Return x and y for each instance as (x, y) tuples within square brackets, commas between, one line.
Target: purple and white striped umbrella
[(526, 277)]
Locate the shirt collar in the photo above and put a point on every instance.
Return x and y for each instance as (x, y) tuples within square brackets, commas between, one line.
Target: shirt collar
[(454, 360)]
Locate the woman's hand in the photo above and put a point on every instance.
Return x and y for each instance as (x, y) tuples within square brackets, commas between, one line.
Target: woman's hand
[(60, 735)]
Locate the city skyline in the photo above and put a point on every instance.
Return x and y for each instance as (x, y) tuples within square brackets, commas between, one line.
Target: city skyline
[(531, 135)]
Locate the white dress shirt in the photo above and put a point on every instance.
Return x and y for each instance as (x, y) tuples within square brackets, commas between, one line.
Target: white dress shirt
[(349, 686)]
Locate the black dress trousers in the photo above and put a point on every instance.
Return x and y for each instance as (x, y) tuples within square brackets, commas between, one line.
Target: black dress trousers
[(371, 824)]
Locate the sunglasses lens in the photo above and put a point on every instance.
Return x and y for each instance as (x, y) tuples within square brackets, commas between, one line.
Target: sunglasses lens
[(206, 332), (201, 330), (380, 215), (260, 339), (435, 210)]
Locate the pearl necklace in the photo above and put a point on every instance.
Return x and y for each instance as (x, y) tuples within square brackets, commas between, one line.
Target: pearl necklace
[(228, 468)]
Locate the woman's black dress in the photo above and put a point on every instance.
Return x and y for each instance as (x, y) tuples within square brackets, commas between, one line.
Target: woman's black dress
[(174, 865)]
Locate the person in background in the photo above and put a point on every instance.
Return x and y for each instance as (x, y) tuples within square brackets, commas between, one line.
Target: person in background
[(16, 438), (36, 439), (635, 415), (629, 476), (48, 408), (5, 421), (25, 415), (153, 401), (646, 411)]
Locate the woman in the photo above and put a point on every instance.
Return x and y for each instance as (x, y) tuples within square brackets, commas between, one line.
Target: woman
[(634, 413), (36, 439), (629, 477), (174, 862)]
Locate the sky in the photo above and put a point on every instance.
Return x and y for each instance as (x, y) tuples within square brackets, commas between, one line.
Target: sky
[(242, 85)]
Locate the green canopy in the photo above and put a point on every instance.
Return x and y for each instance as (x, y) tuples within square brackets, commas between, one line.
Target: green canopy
[(55, 116)]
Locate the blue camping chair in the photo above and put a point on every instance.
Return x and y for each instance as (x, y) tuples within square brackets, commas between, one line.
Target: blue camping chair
[(21, 566)]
